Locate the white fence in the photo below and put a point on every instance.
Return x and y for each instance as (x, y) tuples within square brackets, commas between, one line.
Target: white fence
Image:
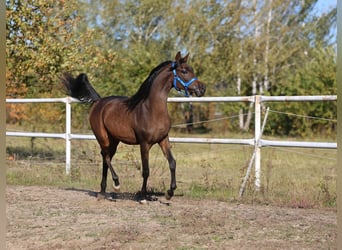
[(257, 142)]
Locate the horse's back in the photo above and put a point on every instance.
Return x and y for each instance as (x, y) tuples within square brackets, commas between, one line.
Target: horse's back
[(109, 103)]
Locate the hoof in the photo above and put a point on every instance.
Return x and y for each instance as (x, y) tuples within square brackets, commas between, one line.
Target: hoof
[(101, 196), (116, 188), (144, 201), (168, 194)]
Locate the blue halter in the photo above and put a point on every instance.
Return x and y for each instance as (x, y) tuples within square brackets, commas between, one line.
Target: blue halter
[(184, 84)]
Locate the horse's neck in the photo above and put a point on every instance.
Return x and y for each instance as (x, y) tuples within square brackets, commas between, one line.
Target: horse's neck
[(160, 90)]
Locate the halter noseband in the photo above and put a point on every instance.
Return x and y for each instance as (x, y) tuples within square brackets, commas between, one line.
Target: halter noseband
[(177, 78)]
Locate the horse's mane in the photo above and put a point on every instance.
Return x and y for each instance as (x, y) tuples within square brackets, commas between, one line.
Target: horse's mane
[(144, 90)]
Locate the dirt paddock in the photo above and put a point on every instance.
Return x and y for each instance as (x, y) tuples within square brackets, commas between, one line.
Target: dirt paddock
[(55, 218)]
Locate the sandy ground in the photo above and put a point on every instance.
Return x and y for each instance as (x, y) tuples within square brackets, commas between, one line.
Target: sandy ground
[(56, 218)]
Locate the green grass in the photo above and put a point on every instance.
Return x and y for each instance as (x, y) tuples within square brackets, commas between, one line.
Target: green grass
[(294, 177)]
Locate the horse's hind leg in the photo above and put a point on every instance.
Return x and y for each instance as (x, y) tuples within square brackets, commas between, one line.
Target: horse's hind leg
[(107, 155), (166, 148)]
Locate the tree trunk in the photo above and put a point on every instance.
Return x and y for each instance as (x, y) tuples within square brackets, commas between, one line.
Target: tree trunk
[(267, 47), (255, 66)]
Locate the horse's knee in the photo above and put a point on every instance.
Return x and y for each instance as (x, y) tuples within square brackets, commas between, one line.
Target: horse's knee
[(172, 164)]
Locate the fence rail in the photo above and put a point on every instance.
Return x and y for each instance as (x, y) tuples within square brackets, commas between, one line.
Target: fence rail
[(257, 142)]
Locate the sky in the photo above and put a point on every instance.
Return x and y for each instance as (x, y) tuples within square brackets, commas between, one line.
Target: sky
[(325, 5)]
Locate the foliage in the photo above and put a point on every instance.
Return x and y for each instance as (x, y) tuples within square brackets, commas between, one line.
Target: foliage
[(317, 77), (237, 47)]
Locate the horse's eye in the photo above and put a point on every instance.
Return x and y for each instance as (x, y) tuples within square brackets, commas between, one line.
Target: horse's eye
[(184, 71)]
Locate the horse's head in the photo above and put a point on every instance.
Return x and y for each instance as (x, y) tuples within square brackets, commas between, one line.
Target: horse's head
[(184, 77)]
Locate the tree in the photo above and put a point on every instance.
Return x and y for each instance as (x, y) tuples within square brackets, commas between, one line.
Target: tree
[(43, 40), (34, 51), (236, 47), (36, 34)]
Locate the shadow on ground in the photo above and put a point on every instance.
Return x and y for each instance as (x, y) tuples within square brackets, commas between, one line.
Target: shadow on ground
[(150, 196)]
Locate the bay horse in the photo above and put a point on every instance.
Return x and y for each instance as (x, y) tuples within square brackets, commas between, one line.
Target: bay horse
[(140, 119)]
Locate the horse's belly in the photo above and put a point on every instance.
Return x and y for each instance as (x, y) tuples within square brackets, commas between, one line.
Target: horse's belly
[(122, 132), (127, 138)]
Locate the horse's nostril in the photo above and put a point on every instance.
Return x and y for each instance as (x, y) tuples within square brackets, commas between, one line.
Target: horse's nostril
[(203, 88)]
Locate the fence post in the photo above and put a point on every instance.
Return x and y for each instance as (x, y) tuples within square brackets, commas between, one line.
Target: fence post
[(67, 134), (257, 159), (243, 185)]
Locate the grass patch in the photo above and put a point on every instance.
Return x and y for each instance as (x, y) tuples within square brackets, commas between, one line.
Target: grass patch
[(294, 177), (198, 191)]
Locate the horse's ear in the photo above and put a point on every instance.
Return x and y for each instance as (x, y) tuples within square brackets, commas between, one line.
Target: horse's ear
[(178, 56), (185, 58)]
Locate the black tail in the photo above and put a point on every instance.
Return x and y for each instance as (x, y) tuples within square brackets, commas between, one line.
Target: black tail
[(79, 88)]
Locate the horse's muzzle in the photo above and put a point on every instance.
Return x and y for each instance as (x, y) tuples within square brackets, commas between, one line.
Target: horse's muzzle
[(198, 89)]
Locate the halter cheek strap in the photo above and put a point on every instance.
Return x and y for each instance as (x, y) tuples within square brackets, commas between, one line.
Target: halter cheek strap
[(177, 78)]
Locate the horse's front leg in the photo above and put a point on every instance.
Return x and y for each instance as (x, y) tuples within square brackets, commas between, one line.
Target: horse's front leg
[(166, 148), (144, 151), (102, 193)]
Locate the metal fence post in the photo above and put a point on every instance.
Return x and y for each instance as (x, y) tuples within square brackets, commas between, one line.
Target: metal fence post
[(257, 159), (67, 134)]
